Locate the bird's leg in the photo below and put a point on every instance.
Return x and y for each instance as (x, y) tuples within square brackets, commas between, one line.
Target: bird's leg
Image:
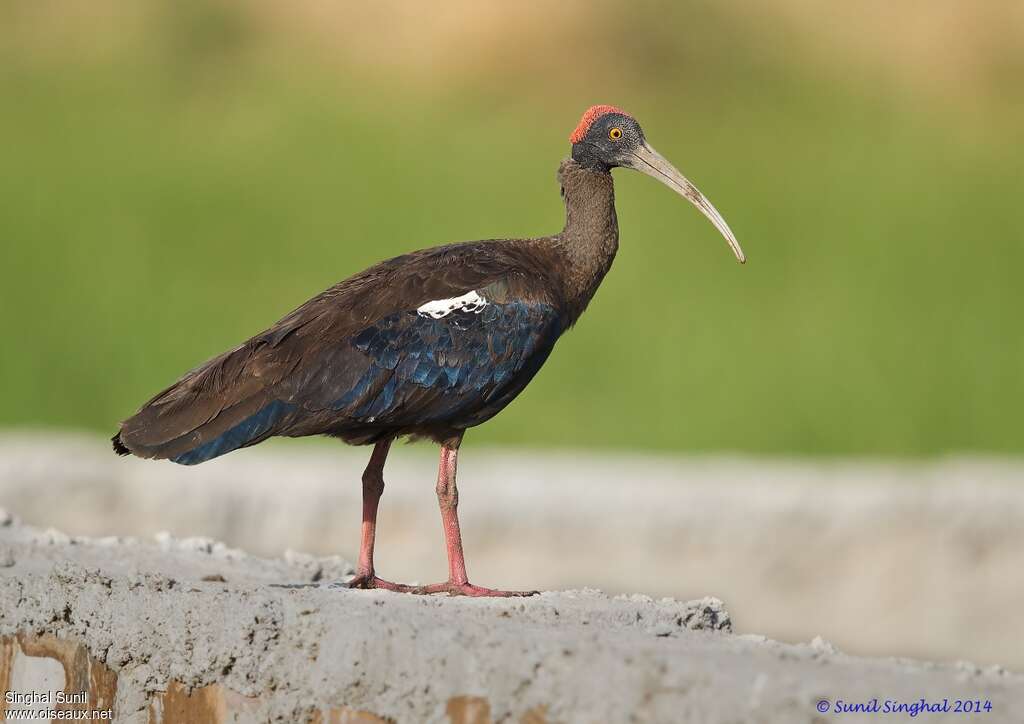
[(373, 487), (448, 499)]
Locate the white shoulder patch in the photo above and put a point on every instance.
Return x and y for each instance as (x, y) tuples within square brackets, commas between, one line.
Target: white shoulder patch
[(468, 302)]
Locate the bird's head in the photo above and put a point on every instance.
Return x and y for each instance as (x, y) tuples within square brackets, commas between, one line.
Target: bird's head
[(607, 137)]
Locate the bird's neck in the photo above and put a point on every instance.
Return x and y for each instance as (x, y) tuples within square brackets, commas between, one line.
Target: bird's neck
[(588, 243)]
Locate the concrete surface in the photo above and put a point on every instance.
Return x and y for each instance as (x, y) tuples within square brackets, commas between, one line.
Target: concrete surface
[(193, 631), (883, 559)]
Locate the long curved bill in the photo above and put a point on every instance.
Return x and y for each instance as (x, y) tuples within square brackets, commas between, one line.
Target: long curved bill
[(648, 161)]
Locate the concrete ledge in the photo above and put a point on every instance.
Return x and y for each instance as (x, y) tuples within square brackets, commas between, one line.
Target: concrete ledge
[(917, 559), (192, 631)]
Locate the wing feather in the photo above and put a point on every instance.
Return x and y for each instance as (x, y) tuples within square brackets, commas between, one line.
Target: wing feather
[(358, 354)]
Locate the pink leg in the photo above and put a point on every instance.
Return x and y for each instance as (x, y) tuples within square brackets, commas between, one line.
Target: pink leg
[(448, 498), (373, 487)]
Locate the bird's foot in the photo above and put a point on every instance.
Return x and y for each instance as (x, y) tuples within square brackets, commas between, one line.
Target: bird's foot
[(369, 580), (468, 589)]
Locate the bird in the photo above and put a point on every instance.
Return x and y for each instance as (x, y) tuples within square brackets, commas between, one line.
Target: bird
[(422, 346)]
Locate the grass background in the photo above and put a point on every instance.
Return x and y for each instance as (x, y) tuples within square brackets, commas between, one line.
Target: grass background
[(177, 176)]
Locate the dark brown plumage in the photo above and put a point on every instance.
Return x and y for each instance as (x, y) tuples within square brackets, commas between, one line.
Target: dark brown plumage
[(304, 358), (426, 344)]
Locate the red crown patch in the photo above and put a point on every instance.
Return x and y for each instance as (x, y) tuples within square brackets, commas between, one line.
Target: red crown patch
[(589, 116)]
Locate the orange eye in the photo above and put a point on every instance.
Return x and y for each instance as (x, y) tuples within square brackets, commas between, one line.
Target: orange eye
[(615, 134)]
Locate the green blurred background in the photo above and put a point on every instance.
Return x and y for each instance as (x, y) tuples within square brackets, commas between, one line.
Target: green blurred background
[(178, 175)]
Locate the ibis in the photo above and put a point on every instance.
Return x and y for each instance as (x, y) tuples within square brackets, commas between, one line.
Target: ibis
[(423, 346)]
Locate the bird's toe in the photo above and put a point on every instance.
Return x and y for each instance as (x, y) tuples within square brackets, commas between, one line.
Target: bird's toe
[(468, 589), (370, 581)]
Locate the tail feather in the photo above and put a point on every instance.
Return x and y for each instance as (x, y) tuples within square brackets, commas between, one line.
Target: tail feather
[(221, 406), (255, 428), (150, 434), (119, 446)]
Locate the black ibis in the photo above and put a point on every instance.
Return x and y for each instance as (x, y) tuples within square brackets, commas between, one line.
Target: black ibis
[(424, 345)]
